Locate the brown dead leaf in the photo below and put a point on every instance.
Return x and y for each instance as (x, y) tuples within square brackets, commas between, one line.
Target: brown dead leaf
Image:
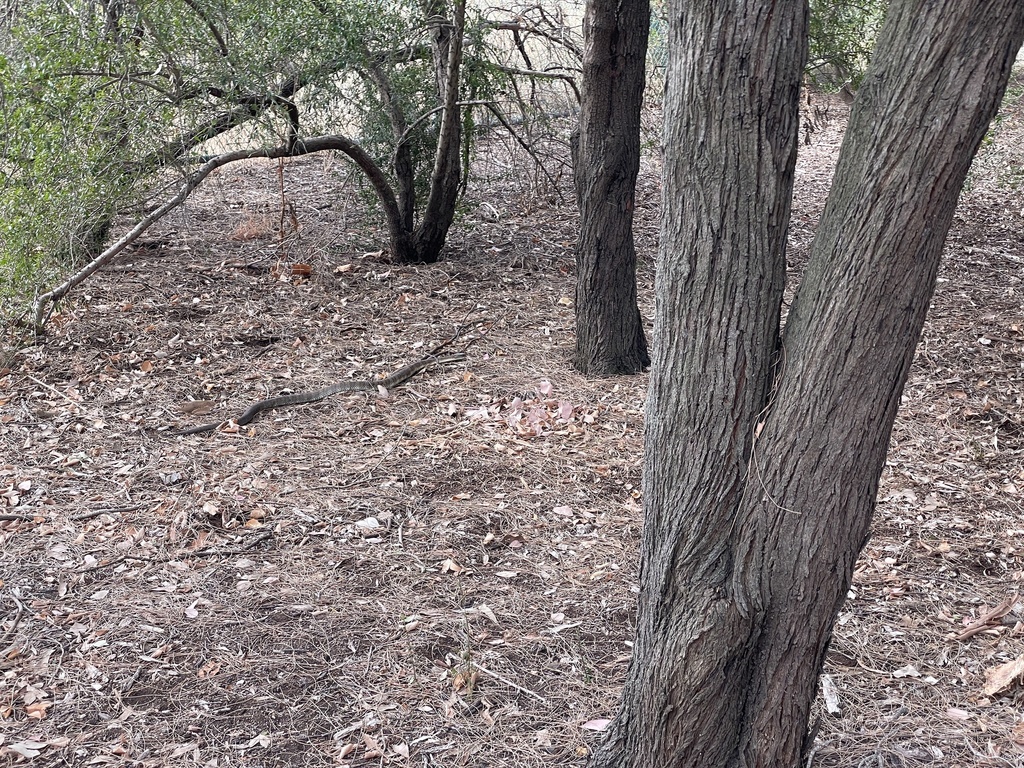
[(197, 407), (209, 669), (465, 679), (288, 270), (999, 679), (37, 709), (373, 749), (450, 566)]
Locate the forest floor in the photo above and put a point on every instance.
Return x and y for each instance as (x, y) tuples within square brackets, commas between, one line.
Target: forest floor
[(445, 574)]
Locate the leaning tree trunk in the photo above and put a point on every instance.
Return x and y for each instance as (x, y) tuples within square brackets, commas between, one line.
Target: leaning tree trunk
[(760, 481), (609, 330)]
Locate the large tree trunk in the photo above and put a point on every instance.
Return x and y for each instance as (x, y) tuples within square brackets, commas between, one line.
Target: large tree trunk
[(609, 330), (760, 481)]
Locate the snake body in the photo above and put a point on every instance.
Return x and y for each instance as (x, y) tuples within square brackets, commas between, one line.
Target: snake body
[(396, 379)]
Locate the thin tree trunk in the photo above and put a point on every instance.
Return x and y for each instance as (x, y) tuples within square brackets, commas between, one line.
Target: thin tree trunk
[(402, 162), (606, 158), (760, 481), (439, 209)]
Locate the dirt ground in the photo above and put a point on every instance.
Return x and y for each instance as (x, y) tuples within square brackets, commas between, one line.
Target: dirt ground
[(445, 574)]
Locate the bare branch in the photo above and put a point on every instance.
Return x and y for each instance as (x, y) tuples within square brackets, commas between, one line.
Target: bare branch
[(524, 144), (561, 39), (547, 74)]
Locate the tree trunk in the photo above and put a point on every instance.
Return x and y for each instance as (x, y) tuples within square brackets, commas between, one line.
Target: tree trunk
[(439, 209), (402, 164), (760, 481), (609, 330)]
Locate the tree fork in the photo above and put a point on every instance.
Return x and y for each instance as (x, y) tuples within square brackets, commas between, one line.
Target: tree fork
[(760, 483), (934, 84)]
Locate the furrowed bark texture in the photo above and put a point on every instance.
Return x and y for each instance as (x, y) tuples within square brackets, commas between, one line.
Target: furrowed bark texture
[(936, 80), (750, 542), (731, 119), (609, 330)]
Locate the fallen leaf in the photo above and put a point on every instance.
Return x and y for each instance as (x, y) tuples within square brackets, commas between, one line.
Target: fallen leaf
[(372, 747), (28, 749), (908, 671), (958, 714), (999, 679), (37, 710), (485, 609), (450, 566), (600, 724), (197, 407)]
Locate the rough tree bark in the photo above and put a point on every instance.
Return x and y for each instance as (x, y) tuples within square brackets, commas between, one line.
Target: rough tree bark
[(762, 458), (609, 330), (439, 210)]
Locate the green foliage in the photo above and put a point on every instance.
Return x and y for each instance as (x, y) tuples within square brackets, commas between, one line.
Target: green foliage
[(842, 36), (97, 96)]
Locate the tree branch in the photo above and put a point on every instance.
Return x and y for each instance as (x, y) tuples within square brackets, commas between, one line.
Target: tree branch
[(543, 75), (298, 148)]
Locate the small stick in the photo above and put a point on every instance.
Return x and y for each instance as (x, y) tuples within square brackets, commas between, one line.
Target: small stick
[(108, 510), (8, 517), (984, 622), (52, 389), (17, 620), (502, 679)]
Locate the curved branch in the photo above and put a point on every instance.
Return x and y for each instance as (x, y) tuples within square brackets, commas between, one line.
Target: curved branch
[(470, 103), (526, 146), (302, 147)]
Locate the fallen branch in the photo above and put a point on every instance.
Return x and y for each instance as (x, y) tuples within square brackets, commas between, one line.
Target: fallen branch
[(9, 632)]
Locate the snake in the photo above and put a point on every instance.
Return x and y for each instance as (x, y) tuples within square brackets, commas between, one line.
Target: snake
[(396, 379)]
